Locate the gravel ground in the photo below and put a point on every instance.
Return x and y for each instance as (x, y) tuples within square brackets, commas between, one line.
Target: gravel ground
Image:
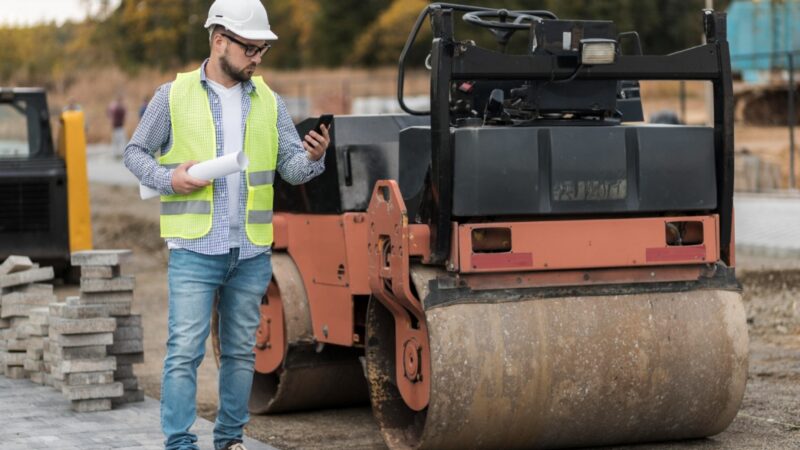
[(769, 418)]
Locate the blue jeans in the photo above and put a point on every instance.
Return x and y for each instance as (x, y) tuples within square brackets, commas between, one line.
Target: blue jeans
[(193, 280)]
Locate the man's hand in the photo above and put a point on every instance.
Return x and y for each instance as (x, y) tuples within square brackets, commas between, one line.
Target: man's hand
[(183, 183), (315, 143)]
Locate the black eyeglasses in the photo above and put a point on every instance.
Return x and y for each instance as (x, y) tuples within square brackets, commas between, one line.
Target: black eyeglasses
[(250, 50)]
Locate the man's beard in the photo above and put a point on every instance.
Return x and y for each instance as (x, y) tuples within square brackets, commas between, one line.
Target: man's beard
[(238, 75)]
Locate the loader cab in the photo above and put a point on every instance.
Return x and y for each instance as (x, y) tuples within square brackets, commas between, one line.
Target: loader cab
[(33, 181)]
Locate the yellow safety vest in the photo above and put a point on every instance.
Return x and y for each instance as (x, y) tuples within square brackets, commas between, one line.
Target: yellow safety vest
[(194, 138)]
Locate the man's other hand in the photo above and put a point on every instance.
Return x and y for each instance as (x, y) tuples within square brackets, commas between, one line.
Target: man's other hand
[(183, 183), (316, 144)]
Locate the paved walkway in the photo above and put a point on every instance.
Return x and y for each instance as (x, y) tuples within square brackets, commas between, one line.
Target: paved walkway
[(39, 417), (768, 224)]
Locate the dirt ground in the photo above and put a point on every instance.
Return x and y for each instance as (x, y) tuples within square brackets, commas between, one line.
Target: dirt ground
[(769, 418)]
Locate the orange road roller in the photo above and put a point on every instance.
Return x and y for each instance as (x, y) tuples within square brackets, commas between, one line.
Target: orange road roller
[(526, 264)]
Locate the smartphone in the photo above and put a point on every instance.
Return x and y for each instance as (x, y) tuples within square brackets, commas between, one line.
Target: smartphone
[(325, 119)]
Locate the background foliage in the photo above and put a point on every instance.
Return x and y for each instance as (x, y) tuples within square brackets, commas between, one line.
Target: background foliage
[(165, 34)]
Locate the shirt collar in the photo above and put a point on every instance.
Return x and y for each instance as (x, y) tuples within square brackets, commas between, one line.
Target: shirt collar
[(248, 85)]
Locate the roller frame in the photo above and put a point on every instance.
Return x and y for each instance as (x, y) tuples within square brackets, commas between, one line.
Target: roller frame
[(389, 249)]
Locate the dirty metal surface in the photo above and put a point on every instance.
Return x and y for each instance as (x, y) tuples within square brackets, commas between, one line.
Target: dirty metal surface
[(571, 372)]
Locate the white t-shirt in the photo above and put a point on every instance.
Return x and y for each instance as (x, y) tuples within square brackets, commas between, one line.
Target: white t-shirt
[(231, 102)]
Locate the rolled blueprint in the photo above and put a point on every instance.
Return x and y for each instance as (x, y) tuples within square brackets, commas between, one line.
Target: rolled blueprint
[(207, 170)]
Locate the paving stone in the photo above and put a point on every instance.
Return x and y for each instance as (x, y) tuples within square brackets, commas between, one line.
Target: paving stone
[(14, 358), (15, 263), (100, 271), (70, 353), (26, 277), (34, 353), (10, 333), (129, 384), (134, 320), (33, 330), (82, 326), (39, 316), (34, 288), (122, 308), (37, 377), (81, 340), (122, 283), (92, 391), (16, 311), (15, 372), (66, 311), (127, 333), (16, 345), (28, 298), (91, 405), (129, 397), (94, 298), (32, 365), (131, 358), (42, 418), (125, 347), (83, 365), (123, 371), (83, 378), (100, 257)]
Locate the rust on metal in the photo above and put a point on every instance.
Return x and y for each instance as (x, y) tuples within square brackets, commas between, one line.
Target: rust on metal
[(390, 281)]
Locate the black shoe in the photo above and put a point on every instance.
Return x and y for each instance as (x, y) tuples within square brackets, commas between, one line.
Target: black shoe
[(234, 445)]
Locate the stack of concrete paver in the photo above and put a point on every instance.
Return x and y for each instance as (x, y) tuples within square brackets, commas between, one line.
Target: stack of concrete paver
[(104, 287), (23, 317), (76, 356)]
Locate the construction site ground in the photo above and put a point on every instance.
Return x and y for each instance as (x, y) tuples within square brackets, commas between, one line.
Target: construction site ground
[(770, 278)]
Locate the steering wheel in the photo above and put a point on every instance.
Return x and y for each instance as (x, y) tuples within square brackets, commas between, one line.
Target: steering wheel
[(518, 19), (502, 22)]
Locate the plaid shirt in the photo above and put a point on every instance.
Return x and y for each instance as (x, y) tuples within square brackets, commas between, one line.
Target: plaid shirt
[(154, 133)]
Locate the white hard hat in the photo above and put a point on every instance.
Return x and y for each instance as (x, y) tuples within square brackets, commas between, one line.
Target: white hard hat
[(246, 18)]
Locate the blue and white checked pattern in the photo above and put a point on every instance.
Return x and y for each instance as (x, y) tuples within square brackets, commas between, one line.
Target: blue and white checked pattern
[(154, 134)]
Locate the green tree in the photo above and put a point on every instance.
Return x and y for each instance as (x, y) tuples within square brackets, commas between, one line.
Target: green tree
[(337, 26)]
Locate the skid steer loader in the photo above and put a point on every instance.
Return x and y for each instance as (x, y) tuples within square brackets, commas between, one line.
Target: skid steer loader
[(44, 192)]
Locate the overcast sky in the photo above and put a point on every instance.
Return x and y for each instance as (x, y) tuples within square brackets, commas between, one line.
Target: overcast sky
[(27, 12)]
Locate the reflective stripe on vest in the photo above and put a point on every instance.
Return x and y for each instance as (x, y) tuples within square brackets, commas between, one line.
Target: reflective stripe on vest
[(194, 138)]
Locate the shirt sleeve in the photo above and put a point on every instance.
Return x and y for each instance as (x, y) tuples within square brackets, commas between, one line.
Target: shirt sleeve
[(152, 135), (293, 163)]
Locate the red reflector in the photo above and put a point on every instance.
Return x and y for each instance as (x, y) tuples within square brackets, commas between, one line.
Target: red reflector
[(501, 260), (465, 87), (671, 254)]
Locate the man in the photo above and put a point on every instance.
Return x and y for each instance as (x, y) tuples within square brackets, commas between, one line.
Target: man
[(116, 112), (219, 234)]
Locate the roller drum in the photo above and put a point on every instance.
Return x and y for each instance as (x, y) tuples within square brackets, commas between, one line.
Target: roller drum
[(569, 372)]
